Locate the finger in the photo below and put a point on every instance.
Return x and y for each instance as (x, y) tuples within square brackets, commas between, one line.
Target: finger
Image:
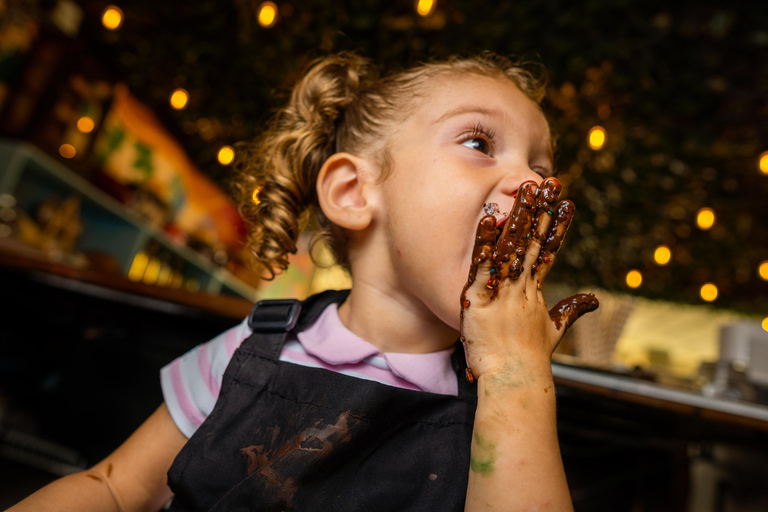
[(568, 310), (549, 192), (480, 270), (558, 227), (510, 250)]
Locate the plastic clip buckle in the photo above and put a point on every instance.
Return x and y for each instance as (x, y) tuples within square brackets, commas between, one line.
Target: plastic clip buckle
[(274, 315)]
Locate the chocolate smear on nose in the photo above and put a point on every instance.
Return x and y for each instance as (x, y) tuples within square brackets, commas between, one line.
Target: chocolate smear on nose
[(570, 309)]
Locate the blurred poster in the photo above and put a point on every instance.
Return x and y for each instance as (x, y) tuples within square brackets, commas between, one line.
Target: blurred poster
[(136, 151)]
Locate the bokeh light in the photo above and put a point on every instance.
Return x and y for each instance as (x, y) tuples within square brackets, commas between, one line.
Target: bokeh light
[(85, 124), (705, 219), (425, 7), (708, 292), (634, 278), (662, 255), (596, 137), (179, 99), (226, 155), (267, 16), (763, 163), (762, 270), (765, 323), (112, 17), (67, 150), (255, 196)]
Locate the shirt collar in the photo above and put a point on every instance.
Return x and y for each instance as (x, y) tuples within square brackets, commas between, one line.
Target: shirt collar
[(329, 340)]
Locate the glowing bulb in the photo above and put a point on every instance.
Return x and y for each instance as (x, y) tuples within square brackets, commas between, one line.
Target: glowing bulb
[(634, 278), (705, 218), (662, 255), (765, 323), (179, 99), (112, 17), (764, 162), (67, 150), (226, 155), (596, 137), (85, 124), (708, 292), (255, 196), (267, 16), (425, 7), (762, 270)]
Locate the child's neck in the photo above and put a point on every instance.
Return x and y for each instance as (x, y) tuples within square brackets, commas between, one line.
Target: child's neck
[(393, 323)]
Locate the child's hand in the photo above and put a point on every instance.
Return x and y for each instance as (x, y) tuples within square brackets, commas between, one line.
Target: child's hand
[(505, 326)]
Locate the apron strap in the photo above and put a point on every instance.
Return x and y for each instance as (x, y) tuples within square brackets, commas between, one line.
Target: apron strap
[(272, 320)]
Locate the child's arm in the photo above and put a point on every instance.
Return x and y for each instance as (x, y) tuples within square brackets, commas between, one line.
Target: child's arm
[(509, 336), (136, 472)]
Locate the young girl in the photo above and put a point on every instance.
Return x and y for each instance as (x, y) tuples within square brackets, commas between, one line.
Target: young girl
[(433, 187)]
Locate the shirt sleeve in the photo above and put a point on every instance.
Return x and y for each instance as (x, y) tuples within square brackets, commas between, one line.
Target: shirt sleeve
[(192, 382)]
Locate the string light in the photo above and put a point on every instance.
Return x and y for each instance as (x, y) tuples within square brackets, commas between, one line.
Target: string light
[(762, 270), (596, 137), (425, 7), (67, 150), (634, 278), (112, 17), (267, 16), (255, 196), (226, 155), (708, 292), (662, 255), (763, 163), (705, 219), (85, 124), (179, 99)]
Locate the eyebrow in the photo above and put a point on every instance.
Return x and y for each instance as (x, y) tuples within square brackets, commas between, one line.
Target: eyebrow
[(469, 109)]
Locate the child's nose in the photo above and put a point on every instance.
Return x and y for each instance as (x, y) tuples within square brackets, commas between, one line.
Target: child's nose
[(513, 181)]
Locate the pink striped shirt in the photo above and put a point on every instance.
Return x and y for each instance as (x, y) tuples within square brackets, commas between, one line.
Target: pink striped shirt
[(192, 382)]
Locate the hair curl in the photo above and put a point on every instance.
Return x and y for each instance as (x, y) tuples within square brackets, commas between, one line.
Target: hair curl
[(340, 104)]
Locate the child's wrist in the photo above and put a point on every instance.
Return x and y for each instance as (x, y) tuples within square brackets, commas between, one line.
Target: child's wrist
[(515, 370)]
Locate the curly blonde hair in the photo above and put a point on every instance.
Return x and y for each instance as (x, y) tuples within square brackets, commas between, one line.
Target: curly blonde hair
[(340, 104)]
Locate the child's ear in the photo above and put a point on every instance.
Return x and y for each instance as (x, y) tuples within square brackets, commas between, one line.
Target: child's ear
[(344, 191)]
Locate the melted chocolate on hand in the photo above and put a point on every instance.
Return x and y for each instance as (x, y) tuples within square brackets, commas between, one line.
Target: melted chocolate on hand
[(558, 226), (568, 310), (549, 192), (509, 253)]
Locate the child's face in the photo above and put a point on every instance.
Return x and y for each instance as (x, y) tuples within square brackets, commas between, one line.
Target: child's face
[(471, 141)]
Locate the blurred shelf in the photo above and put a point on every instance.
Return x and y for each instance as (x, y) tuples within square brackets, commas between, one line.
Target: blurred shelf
[(118, 288), (29, 175)]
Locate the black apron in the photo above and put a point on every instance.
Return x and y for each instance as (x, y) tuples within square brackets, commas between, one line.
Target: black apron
[(288, 437)]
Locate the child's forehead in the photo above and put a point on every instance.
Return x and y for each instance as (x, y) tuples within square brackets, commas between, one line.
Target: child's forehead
[(497, 93), (498, 97)]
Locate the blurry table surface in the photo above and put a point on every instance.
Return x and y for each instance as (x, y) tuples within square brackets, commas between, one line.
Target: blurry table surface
[(660, 396)]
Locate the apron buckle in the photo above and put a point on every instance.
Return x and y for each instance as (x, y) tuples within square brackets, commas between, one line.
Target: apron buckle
[(278, 315)]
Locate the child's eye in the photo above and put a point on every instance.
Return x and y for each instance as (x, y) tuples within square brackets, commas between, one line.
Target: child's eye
[(478, 144), (480, 139)]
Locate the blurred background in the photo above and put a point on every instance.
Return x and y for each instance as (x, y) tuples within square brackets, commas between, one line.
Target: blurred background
[(121, 248)]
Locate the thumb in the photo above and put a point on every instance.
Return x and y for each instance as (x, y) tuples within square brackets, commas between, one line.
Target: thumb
[(568, 310)]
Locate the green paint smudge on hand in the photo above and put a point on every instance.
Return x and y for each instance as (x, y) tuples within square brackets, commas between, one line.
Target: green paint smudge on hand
[(483, 455)]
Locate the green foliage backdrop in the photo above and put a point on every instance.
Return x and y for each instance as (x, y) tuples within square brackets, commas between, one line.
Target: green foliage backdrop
[(681, 89)]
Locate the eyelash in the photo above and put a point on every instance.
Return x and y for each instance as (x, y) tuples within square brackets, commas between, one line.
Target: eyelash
[(489, 134), (480, 130)]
